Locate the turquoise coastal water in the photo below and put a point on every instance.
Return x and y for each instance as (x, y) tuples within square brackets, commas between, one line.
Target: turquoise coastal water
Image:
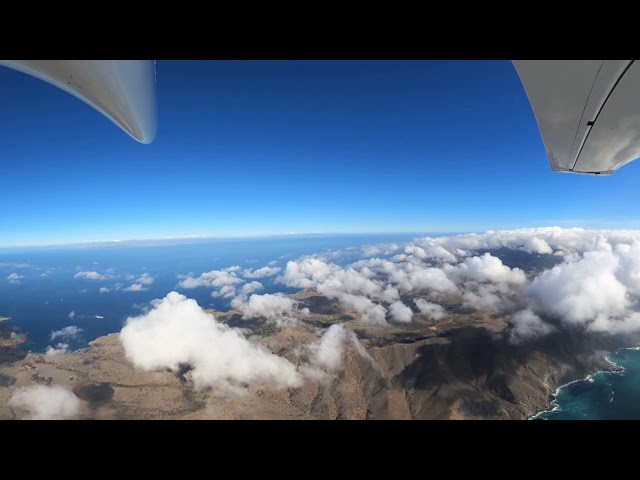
[(602, 396)]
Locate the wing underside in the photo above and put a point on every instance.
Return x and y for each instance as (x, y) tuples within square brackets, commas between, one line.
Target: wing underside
[(122, 90), (588, 111)]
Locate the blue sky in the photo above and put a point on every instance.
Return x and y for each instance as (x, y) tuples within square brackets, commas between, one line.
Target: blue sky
[(258, 147)]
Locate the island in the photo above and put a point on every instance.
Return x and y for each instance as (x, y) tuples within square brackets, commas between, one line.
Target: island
[(461, 368)]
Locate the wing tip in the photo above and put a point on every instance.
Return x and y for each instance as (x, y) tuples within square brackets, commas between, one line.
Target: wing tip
[(603, 173)]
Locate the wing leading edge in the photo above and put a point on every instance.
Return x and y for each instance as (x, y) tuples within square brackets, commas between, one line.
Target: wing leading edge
[(588, 111), (122, 90)]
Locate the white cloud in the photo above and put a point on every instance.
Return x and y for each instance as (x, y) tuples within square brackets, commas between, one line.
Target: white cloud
[(177, 331), (432, 311), (329, 351), (400, 312), (261, 272), (92, 275), (307, 273), (251, 287), (370, 312), (46, 403), (72, 314), (488, 296), (627, 323), (145, 279), (596, 284), (59, 349), (579, 290), (12, 265), (527, 325), (537, 245), (69, 332), (277, 307), (136, 287), (429, 250), (228, 291), (104, 290), (214, 278), (412, 278), (487, 268), (376, 250), (14, 278)]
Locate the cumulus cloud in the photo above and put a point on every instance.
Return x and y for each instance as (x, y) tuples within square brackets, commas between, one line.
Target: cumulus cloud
[(145, 279), (369, 311), (595, 281), (13, 265), (92, 275), (579, 290), (592, 279), (136, 287), (432, 311), (72, 314), (104, 290), (46, 403), (329, 351), (228, 291), (261, 272), (14, 278), (214, 278), (624, 324), (487, 268), (178, 331), (382, 249), (415, 278), (527, 325), (536, 244), (307, 273), (277, 307), (251, 287), (68, 333), (430, 251), (490, 296), (59, 349), (400, 312)]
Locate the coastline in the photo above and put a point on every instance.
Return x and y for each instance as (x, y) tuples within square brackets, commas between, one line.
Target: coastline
[(615, 369)]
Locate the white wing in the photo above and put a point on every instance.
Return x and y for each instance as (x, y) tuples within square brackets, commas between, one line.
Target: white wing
[(122, 90), (588, 111)]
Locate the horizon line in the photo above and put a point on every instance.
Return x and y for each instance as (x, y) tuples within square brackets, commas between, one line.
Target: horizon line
[(187, 238)]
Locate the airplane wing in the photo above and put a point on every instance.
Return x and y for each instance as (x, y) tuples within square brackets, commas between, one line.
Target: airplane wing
[(122, 90), (588, 111)]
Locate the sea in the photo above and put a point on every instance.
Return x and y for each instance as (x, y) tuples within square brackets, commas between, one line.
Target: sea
[(602, 396), (41, 294)]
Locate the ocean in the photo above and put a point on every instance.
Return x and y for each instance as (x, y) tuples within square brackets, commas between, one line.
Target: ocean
[(39, 289), (604, 395)]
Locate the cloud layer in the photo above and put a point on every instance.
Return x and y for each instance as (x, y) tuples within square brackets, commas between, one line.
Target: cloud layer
[(572, 277), (594, 284)]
